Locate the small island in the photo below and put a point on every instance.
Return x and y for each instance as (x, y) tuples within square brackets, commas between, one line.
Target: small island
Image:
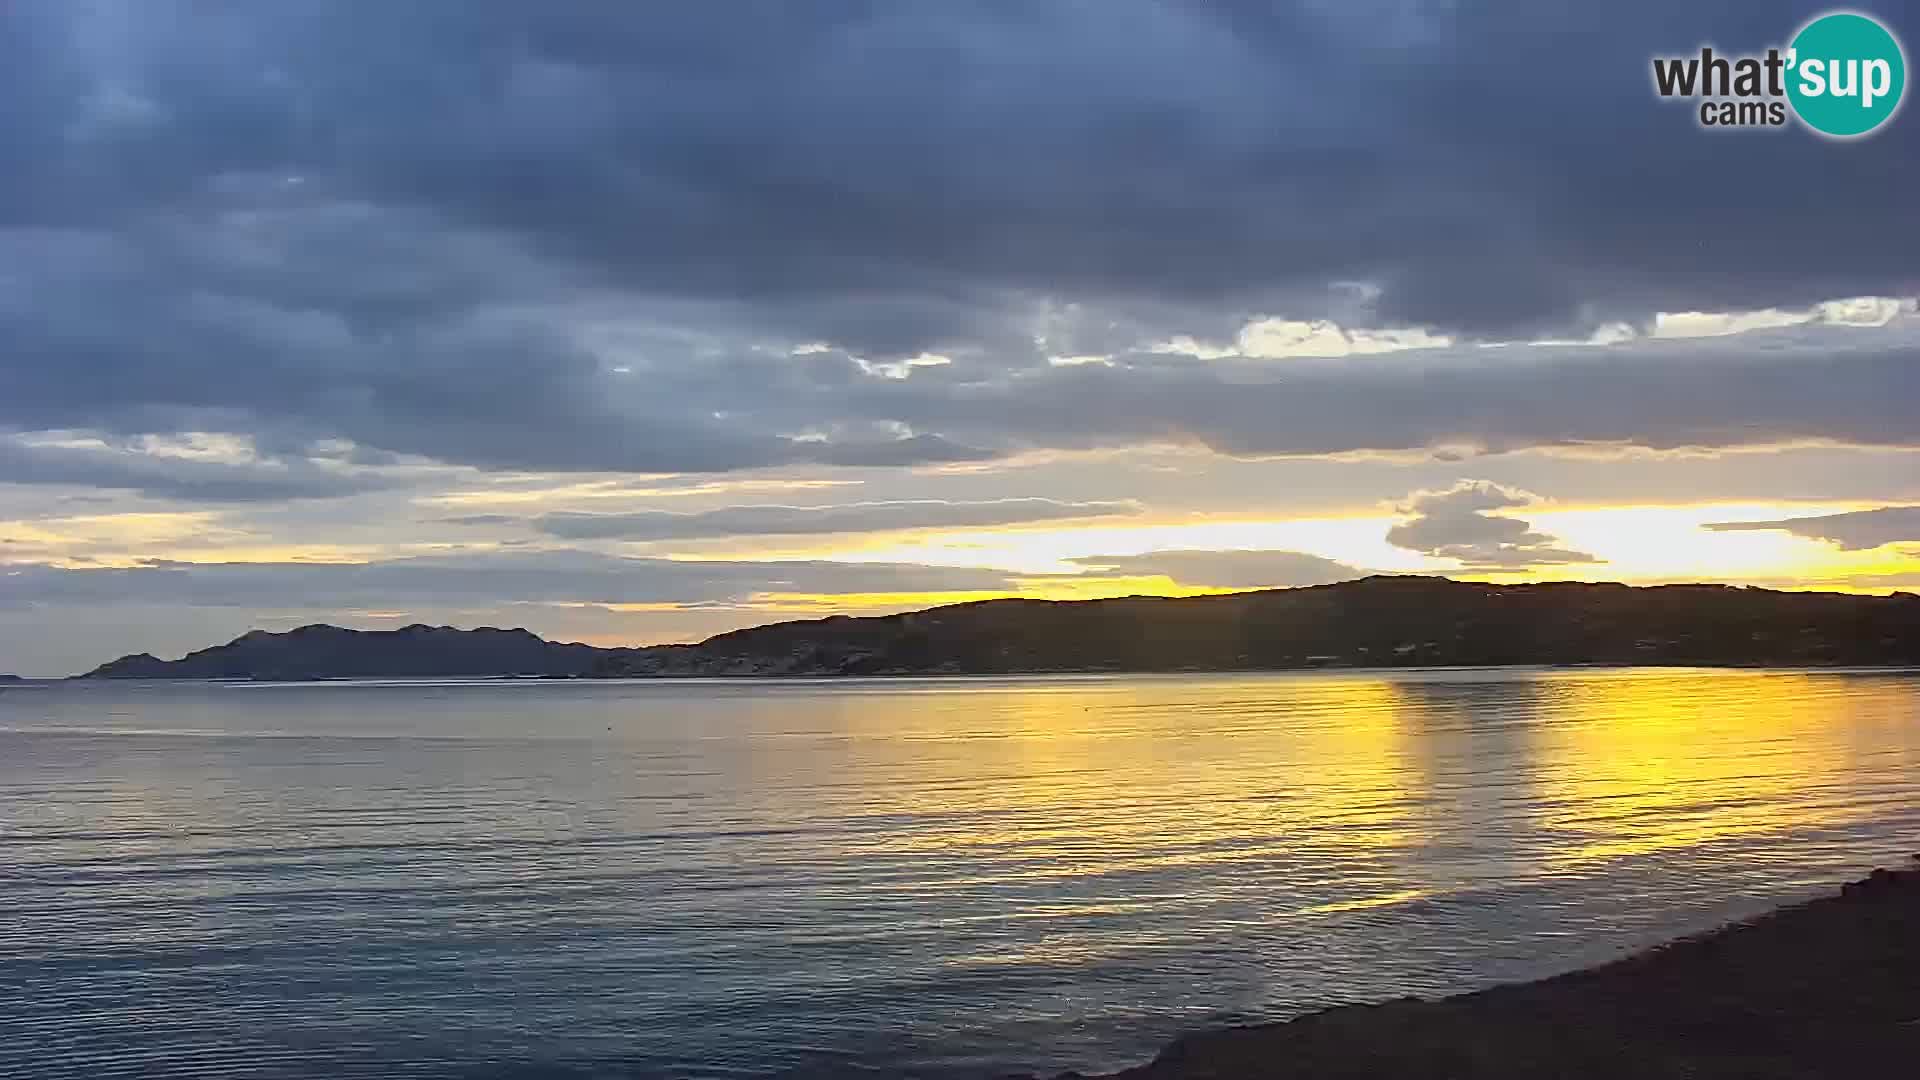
[(1372, 622)]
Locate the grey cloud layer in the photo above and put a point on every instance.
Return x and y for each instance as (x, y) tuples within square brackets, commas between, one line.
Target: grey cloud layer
[(178, 477), (1848, 385), (478, 579), (590, 235), (1854, 531), (793, 520), (938, 157)]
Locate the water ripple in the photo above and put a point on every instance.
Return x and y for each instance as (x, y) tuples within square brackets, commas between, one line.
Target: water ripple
[(878, 878)]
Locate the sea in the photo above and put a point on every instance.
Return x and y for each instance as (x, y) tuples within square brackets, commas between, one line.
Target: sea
[(941, 878)]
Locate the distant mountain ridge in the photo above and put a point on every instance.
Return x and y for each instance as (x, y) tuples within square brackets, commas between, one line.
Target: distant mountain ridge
[(1377, 621), (320, 651)]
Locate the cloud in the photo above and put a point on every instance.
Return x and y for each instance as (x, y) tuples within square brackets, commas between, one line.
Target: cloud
[(472, 580), (177, 477), (846, 518), (1853, 531), (1765, 388), (669, 239), (1458, 524), (1227, 569), (879, 453)]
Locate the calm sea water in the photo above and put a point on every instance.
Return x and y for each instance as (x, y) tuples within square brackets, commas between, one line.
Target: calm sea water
[(878, 878)]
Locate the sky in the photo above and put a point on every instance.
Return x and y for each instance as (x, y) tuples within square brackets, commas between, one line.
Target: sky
[(635, 323)]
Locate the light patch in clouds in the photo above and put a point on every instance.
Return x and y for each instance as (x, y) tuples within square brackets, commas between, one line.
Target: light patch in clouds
[(207, 468), (544, 490), (103, 537), (796, 520), (1864, 311), (1857, 530), (1277, 339), (1685, 324), (1459, 523)]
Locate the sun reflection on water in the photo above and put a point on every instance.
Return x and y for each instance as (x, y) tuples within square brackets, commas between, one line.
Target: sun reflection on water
[(1639, 764), (1337, 792)]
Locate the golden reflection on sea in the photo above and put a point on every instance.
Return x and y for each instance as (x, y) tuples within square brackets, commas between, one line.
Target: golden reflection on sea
[(1636, 764), (1381, 788), (1014, 875)]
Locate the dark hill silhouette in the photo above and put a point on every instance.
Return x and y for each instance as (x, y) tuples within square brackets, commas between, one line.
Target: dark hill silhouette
[(322, 651), (1378, 621)]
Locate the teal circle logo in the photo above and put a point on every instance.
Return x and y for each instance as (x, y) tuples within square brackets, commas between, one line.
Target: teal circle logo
[(1846, 74)]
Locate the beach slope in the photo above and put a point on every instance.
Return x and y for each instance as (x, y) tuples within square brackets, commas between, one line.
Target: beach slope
[(1827, 988)]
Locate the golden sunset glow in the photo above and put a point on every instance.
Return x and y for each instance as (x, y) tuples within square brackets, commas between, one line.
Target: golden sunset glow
[(1637, 544), (1671, 543)]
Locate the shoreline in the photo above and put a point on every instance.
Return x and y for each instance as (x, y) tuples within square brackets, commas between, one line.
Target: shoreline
[(1037, 673), (1827, 987)]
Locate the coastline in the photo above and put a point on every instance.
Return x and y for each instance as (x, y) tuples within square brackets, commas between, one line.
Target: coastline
[(1379, 621), (1825, 988), (1024, 673)]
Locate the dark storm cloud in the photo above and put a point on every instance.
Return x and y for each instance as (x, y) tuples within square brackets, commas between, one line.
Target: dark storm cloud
[(390, 223), (796, 520), (1854, 531), (260, 320), (1458, 524), (1227, 569)]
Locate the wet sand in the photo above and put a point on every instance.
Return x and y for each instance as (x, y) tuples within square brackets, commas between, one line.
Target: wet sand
[(1826, 988)]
